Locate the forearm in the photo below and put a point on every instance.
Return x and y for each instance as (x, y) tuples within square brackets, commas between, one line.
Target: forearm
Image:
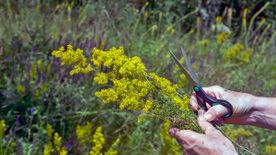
[(263, 112), (252, 110)]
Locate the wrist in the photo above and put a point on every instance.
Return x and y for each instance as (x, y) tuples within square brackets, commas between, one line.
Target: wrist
[(263, 112)]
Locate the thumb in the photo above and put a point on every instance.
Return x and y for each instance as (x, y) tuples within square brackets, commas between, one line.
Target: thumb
[(206, 126), (215, 112), (185, 136)]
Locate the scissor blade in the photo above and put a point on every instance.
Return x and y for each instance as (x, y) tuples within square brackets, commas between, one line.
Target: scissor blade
[(189, 65), (186, 72)]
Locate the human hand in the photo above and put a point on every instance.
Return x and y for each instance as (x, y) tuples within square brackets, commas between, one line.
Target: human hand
[(212, 142), (241, 102)]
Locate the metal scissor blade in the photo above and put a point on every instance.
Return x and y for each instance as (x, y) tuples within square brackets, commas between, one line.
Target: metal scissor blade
[(189, 65), (186, 72)]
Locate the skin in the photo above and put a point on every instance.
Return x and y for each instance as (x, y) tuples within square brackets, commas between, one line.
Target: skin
[(247, 110)]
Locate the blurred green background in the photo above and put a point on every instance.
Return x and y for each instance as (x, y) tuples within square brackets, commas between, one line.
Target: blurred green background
[(231, 43)]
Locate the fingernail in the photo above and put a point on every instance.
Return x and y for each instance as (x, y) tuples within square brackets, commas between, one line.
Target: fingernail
[(208, 117)]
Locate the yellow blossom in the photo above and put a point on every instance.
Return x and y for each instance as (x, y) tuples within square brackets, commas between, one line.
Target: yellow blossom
[(164, 84), (98, 141), (63, 151), (107, 95), (111, 150), (218, 19), (2, 128), (71, 56), (84, 133), (131, 102), (101, 78), (49, 130), (170, 145), (221, 37), (245, 56), (48, 149), (270, 149), (148, 105), (233, 51), (20, 89), (182, 103), (133, 67), (57, 141)]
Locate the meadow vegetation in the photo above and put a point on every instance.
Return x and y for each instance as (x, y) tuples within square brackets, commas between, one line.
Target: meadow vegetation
[(96, 77)]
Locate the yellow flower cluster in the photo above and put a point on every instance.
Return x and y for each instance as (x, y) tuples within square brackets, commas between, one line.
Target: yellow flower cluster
[(233, 51), (170, 145), (119, 62), (111, 150), (69, 56), (84, 133), (239, 52), (171, 91), (128, 77), (270, 149), (20, 89), (49, 148), (101, 78), (221, 37), (113, 58), (98, 141), (126, 80), (2, 128)]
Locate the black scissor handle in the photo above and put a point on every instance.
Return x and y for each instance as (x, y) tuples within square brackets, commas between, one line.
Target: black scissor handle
[(205, 98)]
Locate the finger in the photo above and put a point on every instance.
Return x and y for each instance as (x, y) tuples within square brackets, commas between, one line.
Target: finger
[(215, 112), (185, 136), (193, 103), (206, 126), (214, 91)]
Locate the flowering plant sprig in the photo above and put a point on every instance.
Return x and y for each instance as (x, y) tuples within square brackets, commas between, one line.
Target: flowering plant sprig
[(128, 84)]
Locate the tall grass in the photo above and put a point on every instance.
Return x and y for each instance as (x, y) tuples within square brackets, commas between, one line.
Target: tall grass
[(35, 90)]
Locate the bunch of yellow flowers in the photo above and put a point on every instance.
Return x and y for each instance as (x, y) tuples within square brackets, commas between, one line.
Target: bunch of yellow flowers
[(126, 81), (54, 143)]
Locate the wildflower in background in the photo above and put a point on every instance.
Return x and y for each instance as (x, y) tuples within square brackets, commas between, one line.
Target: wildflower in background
[(48, 149), (218, 19), (244, 19), (245, 56), (112, 150), (233, 51), (170, 144), (221, 37), (98, 141), (182, 81), (20, 89), (270, 149), (2, 128), (170, 29), (57, 140), (49, 130), (84, 133), (63, 151)]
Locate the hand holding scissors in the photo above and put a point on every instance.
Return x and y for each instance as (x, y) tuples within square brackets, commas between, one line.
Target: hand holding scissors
[(202, 97)]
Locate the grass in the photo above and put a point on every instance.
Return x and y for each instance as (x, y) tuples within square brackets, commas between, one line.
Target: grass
[(35, 90)]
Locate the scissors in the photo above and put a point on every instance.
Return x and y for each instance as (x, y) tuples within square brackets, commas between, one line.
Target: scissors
[(202, 97)]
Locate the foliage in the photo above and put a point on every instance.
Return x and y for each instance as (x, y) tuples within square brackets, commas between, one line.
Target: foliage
[(43, 105)]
